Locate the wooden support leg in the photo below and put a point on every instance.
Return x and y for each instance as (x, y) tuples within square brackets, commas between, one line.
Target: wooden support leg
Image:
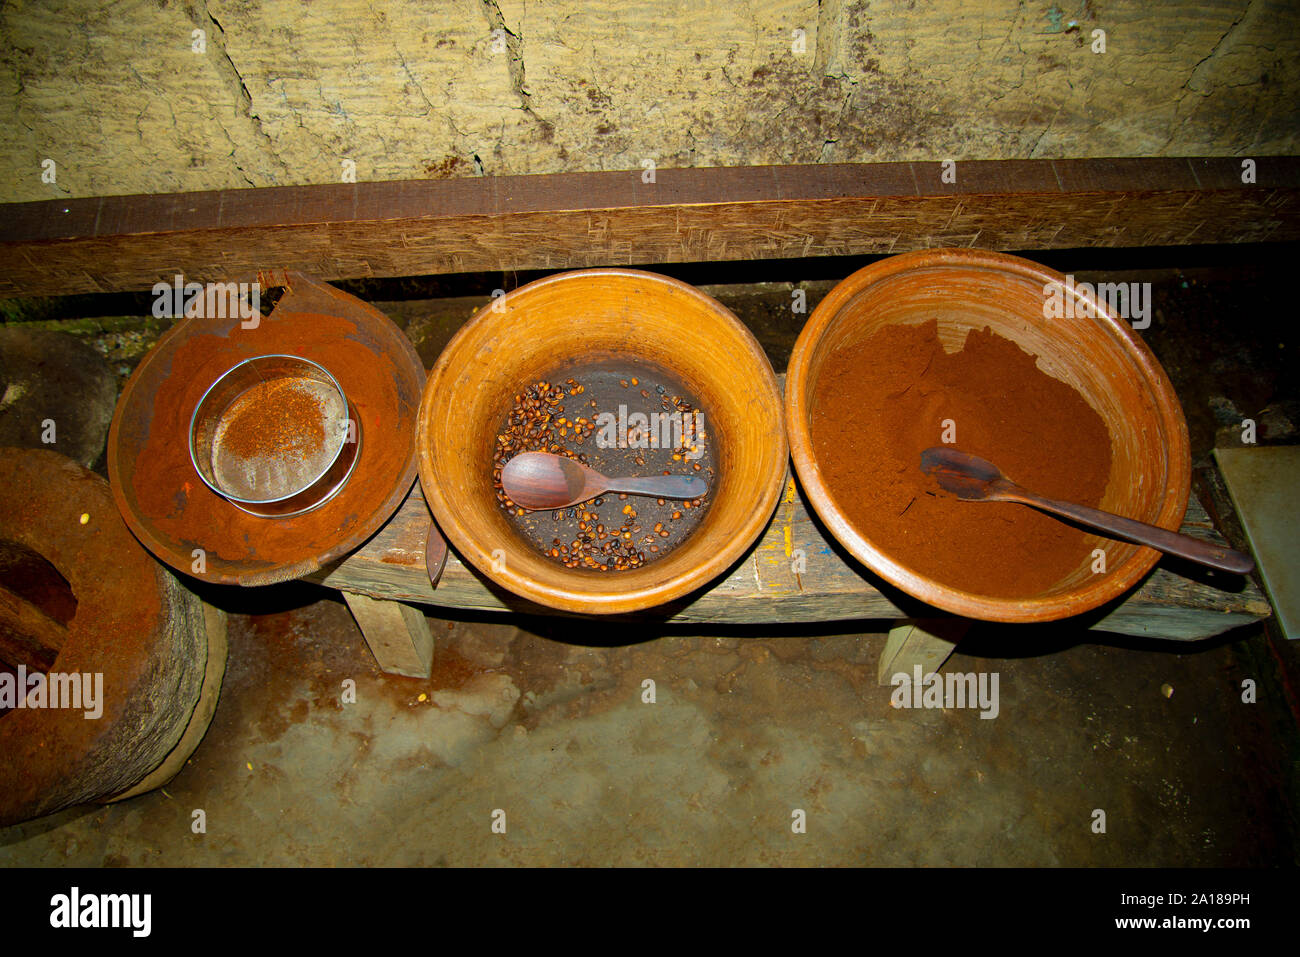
[(927, 642), (397, 633)]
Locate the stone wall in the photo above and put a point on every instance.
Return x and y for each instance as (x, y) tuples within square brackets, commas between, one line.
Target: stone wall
[(127, 98)]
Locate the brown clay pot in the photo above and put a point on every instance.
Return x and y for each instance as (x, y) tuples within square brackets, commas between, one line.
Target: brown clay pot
[(1100, 356), (538, 332)]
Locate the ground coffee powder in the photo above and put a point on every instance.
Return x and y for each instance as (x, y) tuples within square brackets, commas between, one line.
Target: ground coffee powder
[(275, 420), (880, 402)]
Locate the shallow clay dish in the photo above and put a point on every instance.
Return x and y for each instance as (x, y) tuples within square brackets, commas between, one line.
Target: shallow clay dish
[(197, 531), (550, 329), (1100, 356)]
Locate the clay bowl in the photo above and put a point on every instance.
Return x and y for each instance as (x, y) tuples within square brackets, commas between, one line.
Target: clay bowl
[(542, 331), (1100, 356)]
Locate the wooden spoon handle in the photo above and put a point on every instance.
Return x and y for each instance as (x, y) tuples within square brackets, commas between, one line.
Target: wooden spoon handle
[(664, 486), (1184, 546)]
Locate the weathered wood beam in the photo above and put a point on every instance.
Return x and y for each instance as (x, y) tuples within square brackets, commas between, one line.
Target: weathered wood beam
[(927, 643), (572, 220), (762, 587), (398, 634)]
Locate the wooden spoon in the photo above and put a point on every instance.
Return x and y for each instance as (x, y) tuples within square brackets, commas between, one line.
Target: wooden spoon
[(974, 479), (537, 480)]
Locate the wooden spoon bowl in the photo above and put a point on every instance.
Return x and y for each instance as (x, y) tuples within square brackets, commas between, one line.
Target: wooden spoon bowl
[(545, 330), (1100, 356)]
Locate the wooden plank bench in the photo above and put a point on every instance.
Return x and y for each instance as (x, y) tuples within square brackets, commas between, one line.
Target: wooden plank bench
[(388, 572)]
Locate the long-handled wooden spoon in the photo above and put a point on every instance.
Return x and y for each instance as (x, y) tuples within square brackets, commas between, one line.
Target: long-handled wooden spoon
[(974, 479), (538, 480)]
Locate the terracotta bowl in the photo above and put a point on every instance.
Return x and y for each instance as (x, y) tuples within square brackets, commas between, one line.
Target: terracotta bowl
[(542, 331), (1100, 356)]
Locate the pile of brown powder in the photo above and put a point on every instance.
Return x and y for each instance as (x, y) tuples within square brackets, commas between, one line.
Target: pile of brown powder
[(882, 401)]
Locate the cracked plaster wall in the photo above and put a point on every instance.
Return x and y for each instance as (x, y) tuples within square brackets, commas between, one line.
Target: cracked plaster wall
[(286, 91)]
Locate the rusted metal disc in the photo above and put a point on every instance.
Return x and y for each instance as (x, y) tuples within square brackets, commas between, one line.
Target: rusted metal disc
[(117, 614), (194, 529)]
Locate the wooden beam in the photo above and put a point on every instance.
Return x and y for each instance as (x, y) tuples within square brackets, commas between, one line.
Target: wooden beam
[(572, 220), (927, 643), (398, 634)]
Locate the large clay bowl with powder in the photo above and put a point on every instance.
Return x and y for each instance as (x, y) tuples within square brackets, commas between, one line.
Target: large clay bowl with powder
[(1098, 355), (539, 331)]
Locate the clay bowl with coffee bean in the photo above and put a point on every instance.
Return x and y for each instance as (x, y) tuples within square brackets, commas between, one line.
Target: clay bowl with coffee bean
[(566, 365), (972, 350)]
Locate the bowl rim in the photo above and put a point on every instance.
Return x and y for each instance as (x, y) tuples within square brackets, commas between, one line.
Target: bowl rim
[(1110, 585), (610, 600)]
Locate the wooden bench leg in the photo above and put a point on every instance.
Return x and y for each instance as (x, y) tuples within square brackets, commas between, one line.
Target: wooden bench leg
[(397, 633), (927, 642)]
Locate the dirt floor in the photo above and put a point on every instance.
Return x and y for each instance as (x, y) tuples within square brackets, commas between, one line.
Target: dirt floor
[(543, 724), (743, 732)]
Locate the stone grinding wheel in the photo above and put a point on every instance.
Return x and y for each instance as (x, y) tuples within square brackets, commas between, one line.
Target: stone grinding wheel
[(133, 623), (215, 627), (191, 528)]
